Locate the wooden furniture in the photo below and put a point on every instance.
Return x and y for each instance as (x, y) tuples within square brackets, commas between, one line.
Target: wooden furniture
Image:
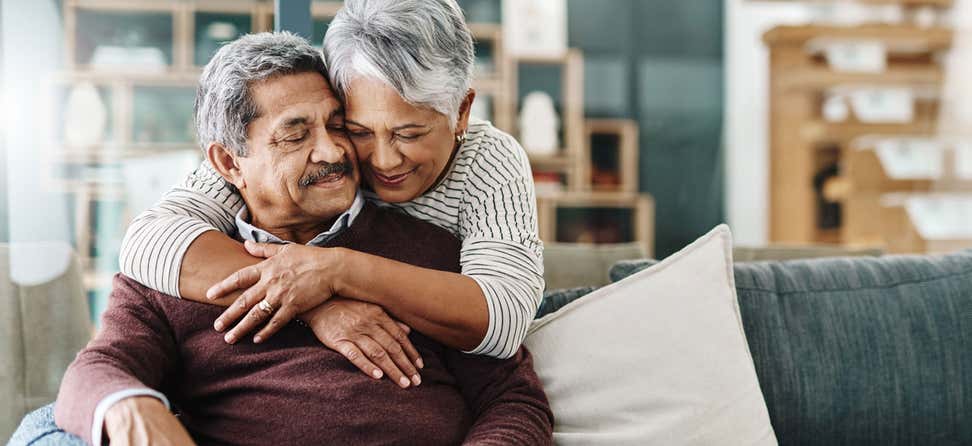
[(803, 144), (569, 159), (620, 137), (640, 206)]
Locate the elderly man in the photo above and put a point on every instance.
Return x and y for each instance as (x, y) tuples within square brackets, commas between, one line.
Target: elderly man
[(297, 174)]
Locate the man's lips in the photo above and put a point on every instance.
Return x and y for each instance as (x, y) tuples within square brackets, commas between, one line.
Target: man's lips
[(392, 180)]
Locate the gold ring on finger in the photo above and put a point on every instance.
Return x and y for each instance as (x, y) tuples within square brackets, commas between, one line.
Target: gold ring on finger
[(266, 306)]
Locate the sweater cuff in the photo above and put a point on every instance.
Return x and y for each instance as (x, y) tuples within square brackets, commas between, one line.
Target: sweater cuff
[(98, 425)]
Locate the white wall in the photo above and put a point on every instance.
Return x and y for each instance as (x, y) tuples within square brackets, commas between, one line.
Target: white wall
[(746, 118)]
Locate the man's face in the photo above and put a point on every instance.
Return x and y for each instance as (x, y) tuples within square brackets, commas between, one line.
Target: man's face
[(300, 167)]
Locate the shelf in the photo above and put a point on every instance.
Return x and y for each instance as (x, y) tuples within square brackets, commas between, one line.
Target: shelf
[(844, 133), (557, 162), (104, 154), (598, 199), (189, 78), (903, 234), (909, 36), (908, 3), (325, 9), (820, 78), (607, 171), (637, 208)]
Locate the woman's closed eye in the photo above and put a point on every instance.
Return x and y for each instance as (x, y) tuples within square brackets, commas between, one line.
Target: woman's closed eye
[(409, 137)]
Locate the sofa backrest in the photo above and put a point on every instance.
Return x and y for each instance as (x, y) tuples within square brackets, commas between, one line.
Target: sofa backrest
[(42, 327), (860, 351)]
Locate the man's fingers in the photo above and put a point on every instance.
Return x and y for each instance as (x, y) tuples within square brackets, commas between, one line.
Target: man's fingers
[(404, 327), (254, 318), (401, 335), (393, 346), (280, 319), (241, 279), (377, 354), (358, 358)]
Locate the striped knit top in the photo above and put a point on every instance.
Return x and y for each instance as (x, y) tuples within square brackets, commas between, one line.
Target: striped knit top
[(486, 199)]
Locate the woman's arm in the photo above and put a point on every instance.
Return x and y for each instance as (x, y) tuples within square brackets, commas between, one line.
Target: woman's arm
[(444, 306), (160, 238), (212, 257)]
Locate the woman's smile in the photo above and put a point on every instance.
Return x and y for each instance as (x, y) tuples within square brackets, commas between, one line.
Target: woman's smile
[(393, 180)]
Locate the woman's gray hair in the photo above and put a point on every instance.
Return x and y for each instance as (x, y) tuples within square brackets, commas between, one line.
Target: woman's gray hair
[(224, 104), (421, 48)]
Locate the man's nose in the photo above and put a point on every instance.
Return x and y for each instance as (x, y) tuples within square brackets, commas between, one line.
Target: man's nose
[(385, 157), (327, 150)]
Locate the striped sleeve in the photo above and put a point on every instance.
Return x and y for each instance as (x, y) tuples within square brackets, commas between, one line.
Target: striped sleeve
[(158, 238), (501, 247)]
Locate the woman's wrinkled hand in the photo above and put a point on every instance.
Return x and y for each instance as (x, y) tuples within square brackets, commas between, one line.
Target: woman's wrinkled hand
[(366, 335), (293, 279)]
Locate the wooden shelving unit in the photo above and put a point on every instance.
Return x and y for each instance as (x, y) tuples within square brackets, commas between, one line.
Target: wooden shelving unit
[(640, 206), (623, 134), (805, 147)]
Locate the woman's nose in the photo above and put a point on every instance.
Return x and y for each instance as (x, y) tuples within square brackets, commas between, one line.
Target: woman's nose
[(385, 157)]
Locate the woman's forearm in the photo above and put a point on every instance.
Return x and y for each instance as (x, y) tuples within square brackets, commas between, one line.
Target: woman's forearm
[(212, 257), (448, 307)]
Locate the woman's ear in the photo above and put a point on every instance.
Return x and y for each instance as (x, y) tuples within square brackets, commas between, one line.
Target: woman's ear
[(224, 160), (464, 109)]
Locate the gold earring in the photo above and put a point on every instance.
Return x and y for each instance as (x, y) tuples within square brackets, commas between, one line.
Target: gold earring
[(461, 139)]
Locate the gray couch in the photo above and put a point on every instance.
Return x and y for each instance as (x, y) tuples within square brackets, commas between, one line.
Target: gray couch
[(42, 326), (860, 351), (849, 351)]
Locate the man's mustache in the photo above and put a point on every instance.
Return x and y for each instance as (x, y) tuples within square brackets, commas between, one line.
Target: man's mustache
[(343, 168)]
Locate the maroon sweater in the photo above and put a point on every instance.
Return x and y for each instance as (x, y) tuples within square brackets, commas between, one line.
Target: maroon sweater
[(292, 390)]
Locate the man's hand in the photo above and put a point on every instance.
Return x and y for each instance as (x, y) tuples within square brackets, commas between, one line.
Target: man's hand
[(293, 279), (368, 337), (144, 421)]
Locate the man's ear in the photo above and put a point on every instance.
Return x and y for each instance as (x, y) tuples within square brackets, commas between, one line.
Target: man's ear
[(464, 109), (224, 160)]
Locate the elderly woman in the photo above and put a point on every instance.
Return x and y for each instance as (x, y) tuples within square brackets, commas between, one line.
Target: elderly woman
[(403, 71)]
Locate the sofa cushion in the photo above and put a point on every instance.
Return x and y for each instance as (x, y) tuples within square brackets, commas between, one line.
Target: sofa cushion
[(556, 299), (863, 351), (44, 322), (659, 358), (860, 351)]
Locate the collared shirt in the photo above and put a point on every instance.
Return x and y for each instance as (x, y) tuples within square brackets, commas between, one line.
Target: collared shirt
[(249, 232)]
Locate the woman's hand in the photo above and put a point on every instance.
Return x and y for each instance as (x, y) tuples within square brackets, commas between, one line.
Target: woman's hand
[(368, 337), (292, 280)]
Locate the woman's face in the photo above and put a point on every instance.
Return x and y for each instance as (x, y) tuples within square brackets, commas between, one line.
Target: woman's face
[(402, 149)]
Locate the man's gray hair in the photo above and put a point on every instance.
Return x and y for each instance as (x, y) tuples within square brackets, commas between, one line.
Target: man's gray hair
[(224, 104), (421, 48)]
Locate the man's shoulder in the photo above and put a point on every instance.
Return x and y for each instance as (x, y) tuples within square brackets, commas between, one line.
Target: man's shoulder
[(125, 288), (391, 221)]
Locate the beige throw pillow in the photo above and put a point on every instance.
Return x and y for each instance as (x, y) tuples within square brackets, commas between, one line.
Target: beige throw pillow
[(657, 358)]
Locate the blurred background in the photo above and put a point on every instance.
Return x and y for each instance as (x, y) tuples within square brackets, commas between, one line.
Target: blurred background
[(808, 126)]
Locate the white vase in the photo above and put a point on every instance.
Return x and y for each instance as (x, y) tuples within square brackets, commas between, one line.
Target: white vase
[(85, 117), (539, 124)]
